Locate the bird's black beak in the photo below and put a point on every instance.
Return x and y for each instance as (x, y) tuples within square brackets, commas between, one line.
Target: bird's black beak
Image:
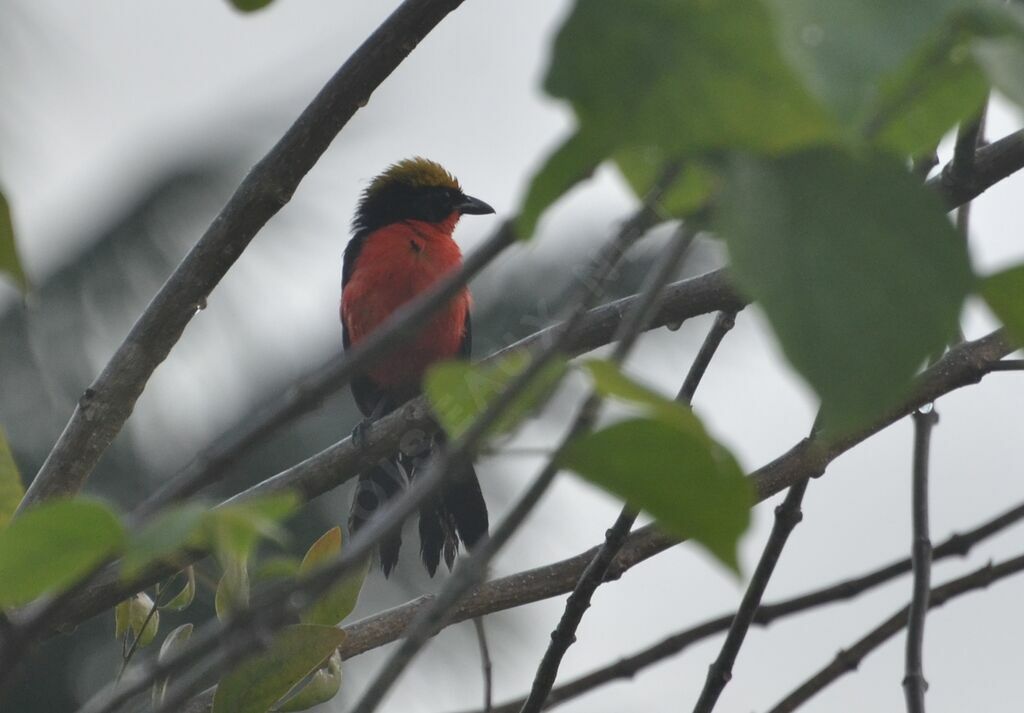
[(473, 206)]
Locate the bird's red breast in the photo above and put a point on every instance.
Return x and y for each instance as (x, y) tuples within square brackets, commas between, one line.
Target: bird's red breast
[(397, 263)]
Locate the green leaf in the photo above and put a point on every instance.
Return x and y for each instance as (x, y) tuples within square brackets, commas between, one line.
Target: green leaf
[(322, 687), (11, 489), (173, 643), (51, 546), (340, 600), (143, 620), (691, 191), (571, 163), (856, 265), (686, 76), (681, 77), (250, 5), (691, 485), (236, 528), (259, 682), (1004, 293), (459, 392), (232, 590), (134, 614), (9, 261), (163, 536), (610, 381), (182, 600), (276, 567)]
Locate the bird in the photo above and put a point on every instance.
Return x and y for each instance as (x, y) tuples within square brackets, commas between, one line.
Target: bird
[(401, 245)]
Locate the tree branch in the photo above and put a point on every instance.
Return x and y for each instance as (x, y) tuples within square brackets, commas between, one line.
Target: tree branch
[(787, 516), (956, 545), (992, 164), (847, 660), (106, 405), (914, 683)]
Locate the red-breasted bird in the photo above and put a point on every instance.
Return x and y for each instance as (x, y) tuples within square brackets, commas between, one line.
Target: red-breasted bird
[(401, 245)]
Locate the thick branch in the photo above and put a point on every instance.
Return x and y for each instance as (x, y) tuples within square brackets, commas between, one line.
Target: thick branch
[(106, 405)]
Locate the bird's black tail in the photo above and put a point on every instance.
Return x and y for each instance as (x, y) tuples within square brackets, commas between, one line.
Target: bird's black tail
[(458, 514), (376, 486)]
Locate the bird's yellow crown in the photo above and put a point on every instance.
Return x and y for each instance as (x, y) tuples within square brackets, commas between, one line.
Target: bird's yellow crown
[(417, 172)]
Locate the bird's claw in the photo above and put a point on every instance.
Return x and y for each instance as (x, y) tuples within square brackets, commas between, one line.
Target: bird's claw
[(359, 434)]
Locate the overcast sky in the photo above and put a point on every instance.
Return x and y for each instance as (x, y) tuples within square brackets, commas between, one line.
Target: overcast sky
[(105, 93)]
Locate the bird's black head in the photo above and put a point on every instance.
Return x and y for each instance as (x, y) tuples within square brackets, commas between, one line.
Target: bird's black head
[(413, 189)]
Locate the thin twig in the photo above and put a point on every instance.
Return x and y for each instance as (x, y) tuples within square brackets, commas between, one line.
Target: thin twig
[(787, 516), (106, 405), (848, 659), (564, 634), (486, 668), (914, 683), (1008, 365), (958, 545)]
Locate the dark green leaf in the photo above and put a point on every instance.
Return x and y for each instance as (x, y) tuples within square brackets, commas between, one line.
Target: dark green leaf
[(679, 77), (340, 600), (1004, 293), (641, 167), (165, 535), (258, 683), (250, 5), (50, 546), (11, 489), (459, 392), (9, 261), (571, 163), (322, 687), (691, 485), (856, 265), (683, 75)]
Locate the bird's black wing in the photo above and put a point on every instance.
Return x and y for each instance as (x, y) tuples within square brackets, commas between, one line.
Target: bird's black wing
[(466, 348)]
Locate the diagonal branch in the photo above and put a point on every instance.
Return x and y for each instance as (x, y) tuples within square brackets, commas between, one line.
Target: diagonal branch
[(914, 683), (106, 405), (958, 545), (787, 516), (847, 660)]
